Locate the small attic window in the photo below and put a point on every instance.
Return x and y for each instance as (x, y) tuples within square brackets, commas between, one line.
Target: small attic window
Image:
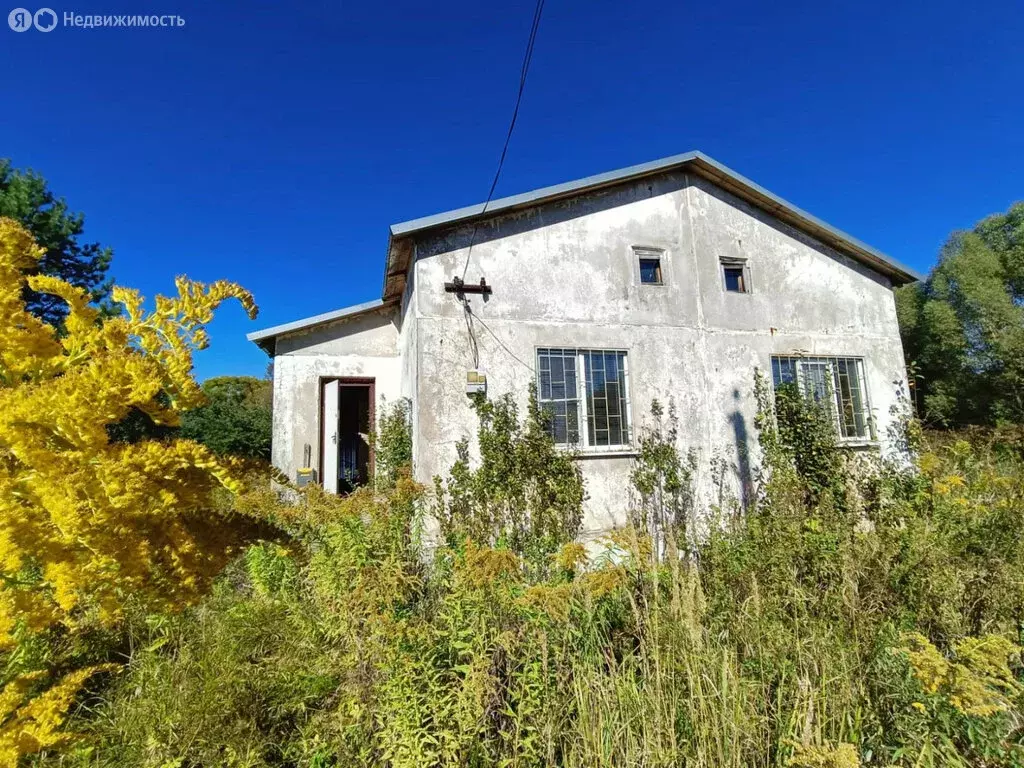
[(650, 271), (735, 277), (649, 260), (734, 282)]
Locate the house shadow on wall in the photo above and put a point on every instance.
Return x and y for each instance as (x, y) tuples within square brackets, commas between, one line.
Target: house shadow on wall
[(741, 439)]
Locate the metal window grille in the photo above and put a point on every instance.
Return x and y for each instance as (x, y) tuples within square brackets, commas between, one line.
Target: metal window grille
[(836, 382), (558, 394), (603, 406)]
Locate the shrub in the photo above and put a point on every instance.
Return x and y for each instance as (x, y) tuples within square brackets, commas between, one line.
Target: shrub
[(664, 484), (235, 419), (90, 527), (525, 494), (872, 623), (392, 443)]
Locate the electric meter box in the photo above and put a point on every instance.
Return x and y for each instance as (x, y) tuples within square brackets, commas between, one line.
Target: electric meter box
[(476, 383), (305, 476)]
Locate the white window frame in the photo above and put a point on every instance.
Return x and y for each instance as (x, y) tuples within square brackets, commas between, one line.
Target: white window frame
[(643, 252), (582, 404), (735, 262), (830, 363)]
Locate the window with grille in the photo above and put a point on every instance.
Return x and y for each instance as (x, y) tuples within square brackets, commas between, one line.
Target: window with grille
[(585, 393), (836, 382)]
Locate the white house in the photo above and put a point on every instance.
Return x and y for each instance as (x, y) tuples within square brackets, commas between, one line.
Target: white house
[(672, 280)]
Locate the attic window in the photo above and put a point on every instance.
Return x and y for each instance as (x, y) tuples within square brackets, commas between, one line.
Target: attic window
[(650, 271), (735, 276), (649, 260)]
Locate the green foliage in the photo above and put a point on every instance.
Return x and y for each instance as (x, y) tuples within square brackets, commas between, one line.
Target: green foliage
[(799, 434), (271, 568), (963, 328), (392, 443), (236, 419), (525, 494), (876, 629), (25, 197), (664, 482), (223, 686)]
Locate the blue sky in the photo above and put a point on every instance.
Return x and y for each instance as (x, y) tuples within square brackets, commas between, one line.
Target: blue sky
[(272, 144)]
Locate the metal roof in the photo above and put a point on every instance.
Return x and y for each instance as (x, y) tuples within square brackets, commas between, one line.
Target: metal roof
[(265, 338), (399, 248), (402, 235)]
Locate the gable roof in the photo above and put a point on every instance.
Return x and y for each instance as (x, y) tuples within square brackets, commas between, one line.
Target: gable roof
[(400, 240), (265, 339), (403, 235)]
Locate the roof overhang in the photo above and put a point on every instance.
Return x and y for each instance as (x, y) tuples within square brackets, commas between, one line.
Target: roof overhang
[(403, 235), (402, 238), (267, 338)]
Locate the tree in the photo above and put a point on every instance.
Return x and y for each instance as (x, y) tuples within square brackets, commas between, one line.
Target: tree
[(88, 524), (236, 418), (963, 328), (25, 197)]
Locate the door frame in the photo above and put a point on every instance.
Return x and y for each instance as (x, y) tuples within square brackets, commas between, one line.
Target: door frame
[(361, 382)]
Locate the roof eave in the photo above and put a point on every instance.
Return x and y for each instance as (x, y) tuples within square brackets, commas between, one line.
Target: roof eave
[(266, 339), (783, 210), (401, 234)]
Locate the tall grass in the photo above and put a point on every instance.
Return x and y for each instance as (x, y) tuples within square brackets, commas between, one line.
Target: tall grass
[(780, 639)]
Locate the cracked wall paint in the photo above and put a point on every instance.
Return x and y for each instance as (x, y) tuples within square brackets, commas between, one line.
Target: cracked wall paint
[(564, 275)]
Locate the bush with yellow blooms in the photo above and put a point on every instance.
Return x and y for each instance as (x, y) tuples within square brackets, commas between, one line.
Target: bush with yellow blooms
[(86, 523)]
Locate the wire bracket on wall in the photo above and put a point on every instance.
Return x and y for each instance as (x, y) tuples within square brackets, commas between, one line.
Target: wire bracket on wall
[(460, 288)]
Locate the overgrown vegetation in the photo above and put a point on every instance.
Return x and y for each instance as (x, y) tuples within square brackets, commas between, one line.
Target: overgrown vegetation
[(857, 610), (392, 443), (92, 529), (872, 621), (524, 495), (663, 480)]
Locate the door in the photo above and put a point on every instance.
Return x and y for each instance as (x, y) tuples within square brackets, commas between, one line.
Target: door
[(329, 426), (346, 420)]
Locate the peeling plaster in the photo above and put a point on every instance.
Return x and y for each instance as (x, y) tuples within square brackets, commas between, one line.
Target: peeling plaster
[(563, 276)]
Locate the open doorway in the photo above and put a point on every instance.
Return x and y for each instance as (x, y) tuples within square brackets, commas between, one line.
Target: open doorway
[(346, 421)]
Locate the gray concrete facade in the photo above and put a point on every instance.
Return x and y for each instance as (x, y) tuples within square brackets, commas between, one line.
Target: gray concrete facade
[(565, 274)]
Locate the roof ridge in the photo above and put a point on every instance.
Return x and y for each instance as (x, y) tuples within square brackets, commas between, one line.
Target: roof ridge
[(706, 166)]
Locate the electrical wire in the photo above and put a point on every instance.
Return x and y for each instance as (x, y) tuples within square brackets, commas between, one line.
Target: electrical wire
[(473, 346), (523, 72), (470, 316)]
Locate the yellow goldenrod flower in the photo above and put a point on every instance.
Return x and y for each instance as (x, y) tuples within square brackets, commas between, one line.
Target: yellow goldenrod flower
[(89, 519)]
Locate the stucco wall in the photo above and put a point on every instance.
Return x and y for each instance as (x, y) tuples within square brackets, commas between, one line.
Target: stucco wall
[(408, 348), (365, 346), (565, 275)]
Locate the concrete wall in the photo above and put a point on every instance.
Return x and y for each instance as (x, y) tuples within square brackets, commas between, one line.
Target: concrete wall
[(408, 351), (365, 346), (565, 275)]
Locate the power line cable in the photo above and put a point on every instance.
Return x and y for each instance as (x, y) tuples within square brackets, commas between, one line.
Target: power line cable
[(523, 72), (471, 316)]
